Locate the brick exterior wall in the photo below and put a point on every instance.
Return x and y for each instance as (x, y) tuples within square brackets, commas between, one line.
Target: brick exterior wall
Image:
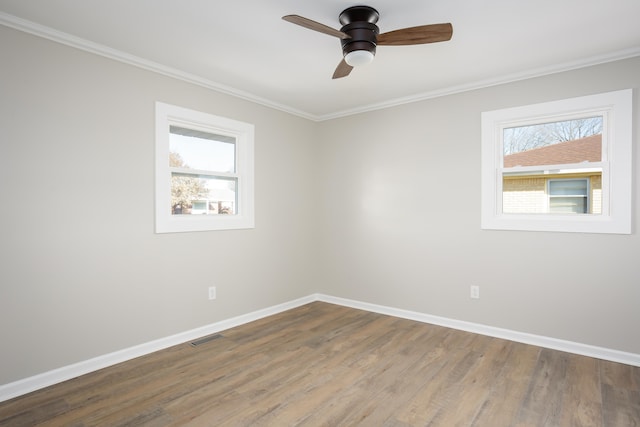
[(529, 195), (596, 194), (524, 195)]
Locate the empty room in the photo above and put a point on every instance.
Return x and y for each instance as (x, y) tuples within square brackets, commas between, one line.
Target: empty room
[(398, 213)]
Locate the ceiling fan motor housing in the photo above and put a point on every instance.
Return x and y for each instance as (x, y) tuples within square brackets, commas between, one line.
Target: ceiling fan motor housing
[(359, 22)]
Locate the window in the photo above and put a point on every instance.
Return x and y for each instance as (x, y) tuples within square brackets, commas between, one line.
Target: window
[(569, 196), (204, 171), (559, 166)]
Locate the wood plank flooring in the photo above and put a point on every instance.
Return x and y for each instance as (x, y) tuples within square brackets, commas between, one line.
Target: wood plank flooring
[(327, 365)]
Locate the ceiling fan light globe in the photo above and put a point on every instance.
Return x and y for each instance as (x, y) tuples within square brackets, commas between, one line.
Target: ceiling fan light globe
[(357, 58)]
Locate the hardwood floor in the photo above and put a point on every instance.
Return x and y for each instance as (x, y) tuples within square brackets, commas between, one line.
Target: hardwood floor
[(327, 365)]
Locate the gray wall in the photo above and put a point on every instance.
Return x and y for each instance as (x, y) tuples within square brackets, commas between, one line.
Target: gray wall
[(82, 272), (402, 222), (381, 207)]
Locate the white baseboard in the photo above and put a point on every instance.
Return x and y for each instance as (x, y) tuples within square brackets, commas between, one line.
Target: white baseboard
[(522, 337), (36, 382)]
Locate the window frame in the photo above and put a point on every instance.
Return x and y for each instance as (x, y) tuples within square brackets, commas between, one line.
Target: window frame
[(616, 109), (171, 115)]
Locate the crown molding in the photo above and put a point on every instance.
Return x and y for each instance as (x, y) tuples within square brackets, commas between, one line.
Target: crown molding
[(482, 84), (118, 55), (105, 51)]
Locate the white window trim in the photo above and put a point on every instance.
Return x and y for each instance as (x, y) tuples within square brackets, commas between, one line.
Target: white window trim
[(616, 108), (167, 115)]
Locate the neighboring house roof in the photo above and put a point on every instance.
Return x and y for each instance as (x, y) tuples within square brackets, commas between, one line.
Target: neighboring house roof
[(576, 151)]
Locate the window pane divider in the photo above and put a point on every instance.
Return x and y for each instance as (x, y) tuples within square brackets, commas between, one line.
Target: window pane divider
[(549, 169), (202, 172)]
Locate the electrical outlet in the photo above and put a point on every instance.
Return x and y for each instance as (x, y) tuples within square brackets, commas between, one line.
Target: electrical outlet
[(212, 292), (475, 292)]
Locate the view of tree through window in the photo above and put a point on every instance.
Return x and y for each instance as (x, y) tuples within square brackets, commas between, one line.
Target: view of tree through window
[(203, 180), (532, 181), (524, 138), (184, 189)]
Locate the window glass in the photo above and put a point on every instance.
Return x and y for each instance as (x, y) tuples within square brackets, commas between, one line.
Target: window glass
[(188, 190), (568, 141), (541, 158), (569, 196), (192, 149)]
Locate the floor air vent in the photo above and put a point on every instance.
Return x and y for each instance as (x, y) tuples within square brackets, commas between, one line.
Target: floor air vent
[(205, 340)]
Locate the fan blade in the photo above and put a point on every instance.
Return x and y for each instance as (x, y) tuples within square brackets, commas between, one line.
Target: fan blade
[(342, 70), (417, 35), (316, 26)]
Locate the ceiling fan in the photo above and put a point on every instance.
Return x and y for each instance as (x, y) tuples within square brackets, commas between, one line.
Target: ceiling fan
[(359, 35)]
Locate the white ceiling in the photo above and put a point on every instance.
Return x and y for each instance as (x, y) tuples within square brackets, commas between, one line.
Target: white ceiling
[(245, 48)]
